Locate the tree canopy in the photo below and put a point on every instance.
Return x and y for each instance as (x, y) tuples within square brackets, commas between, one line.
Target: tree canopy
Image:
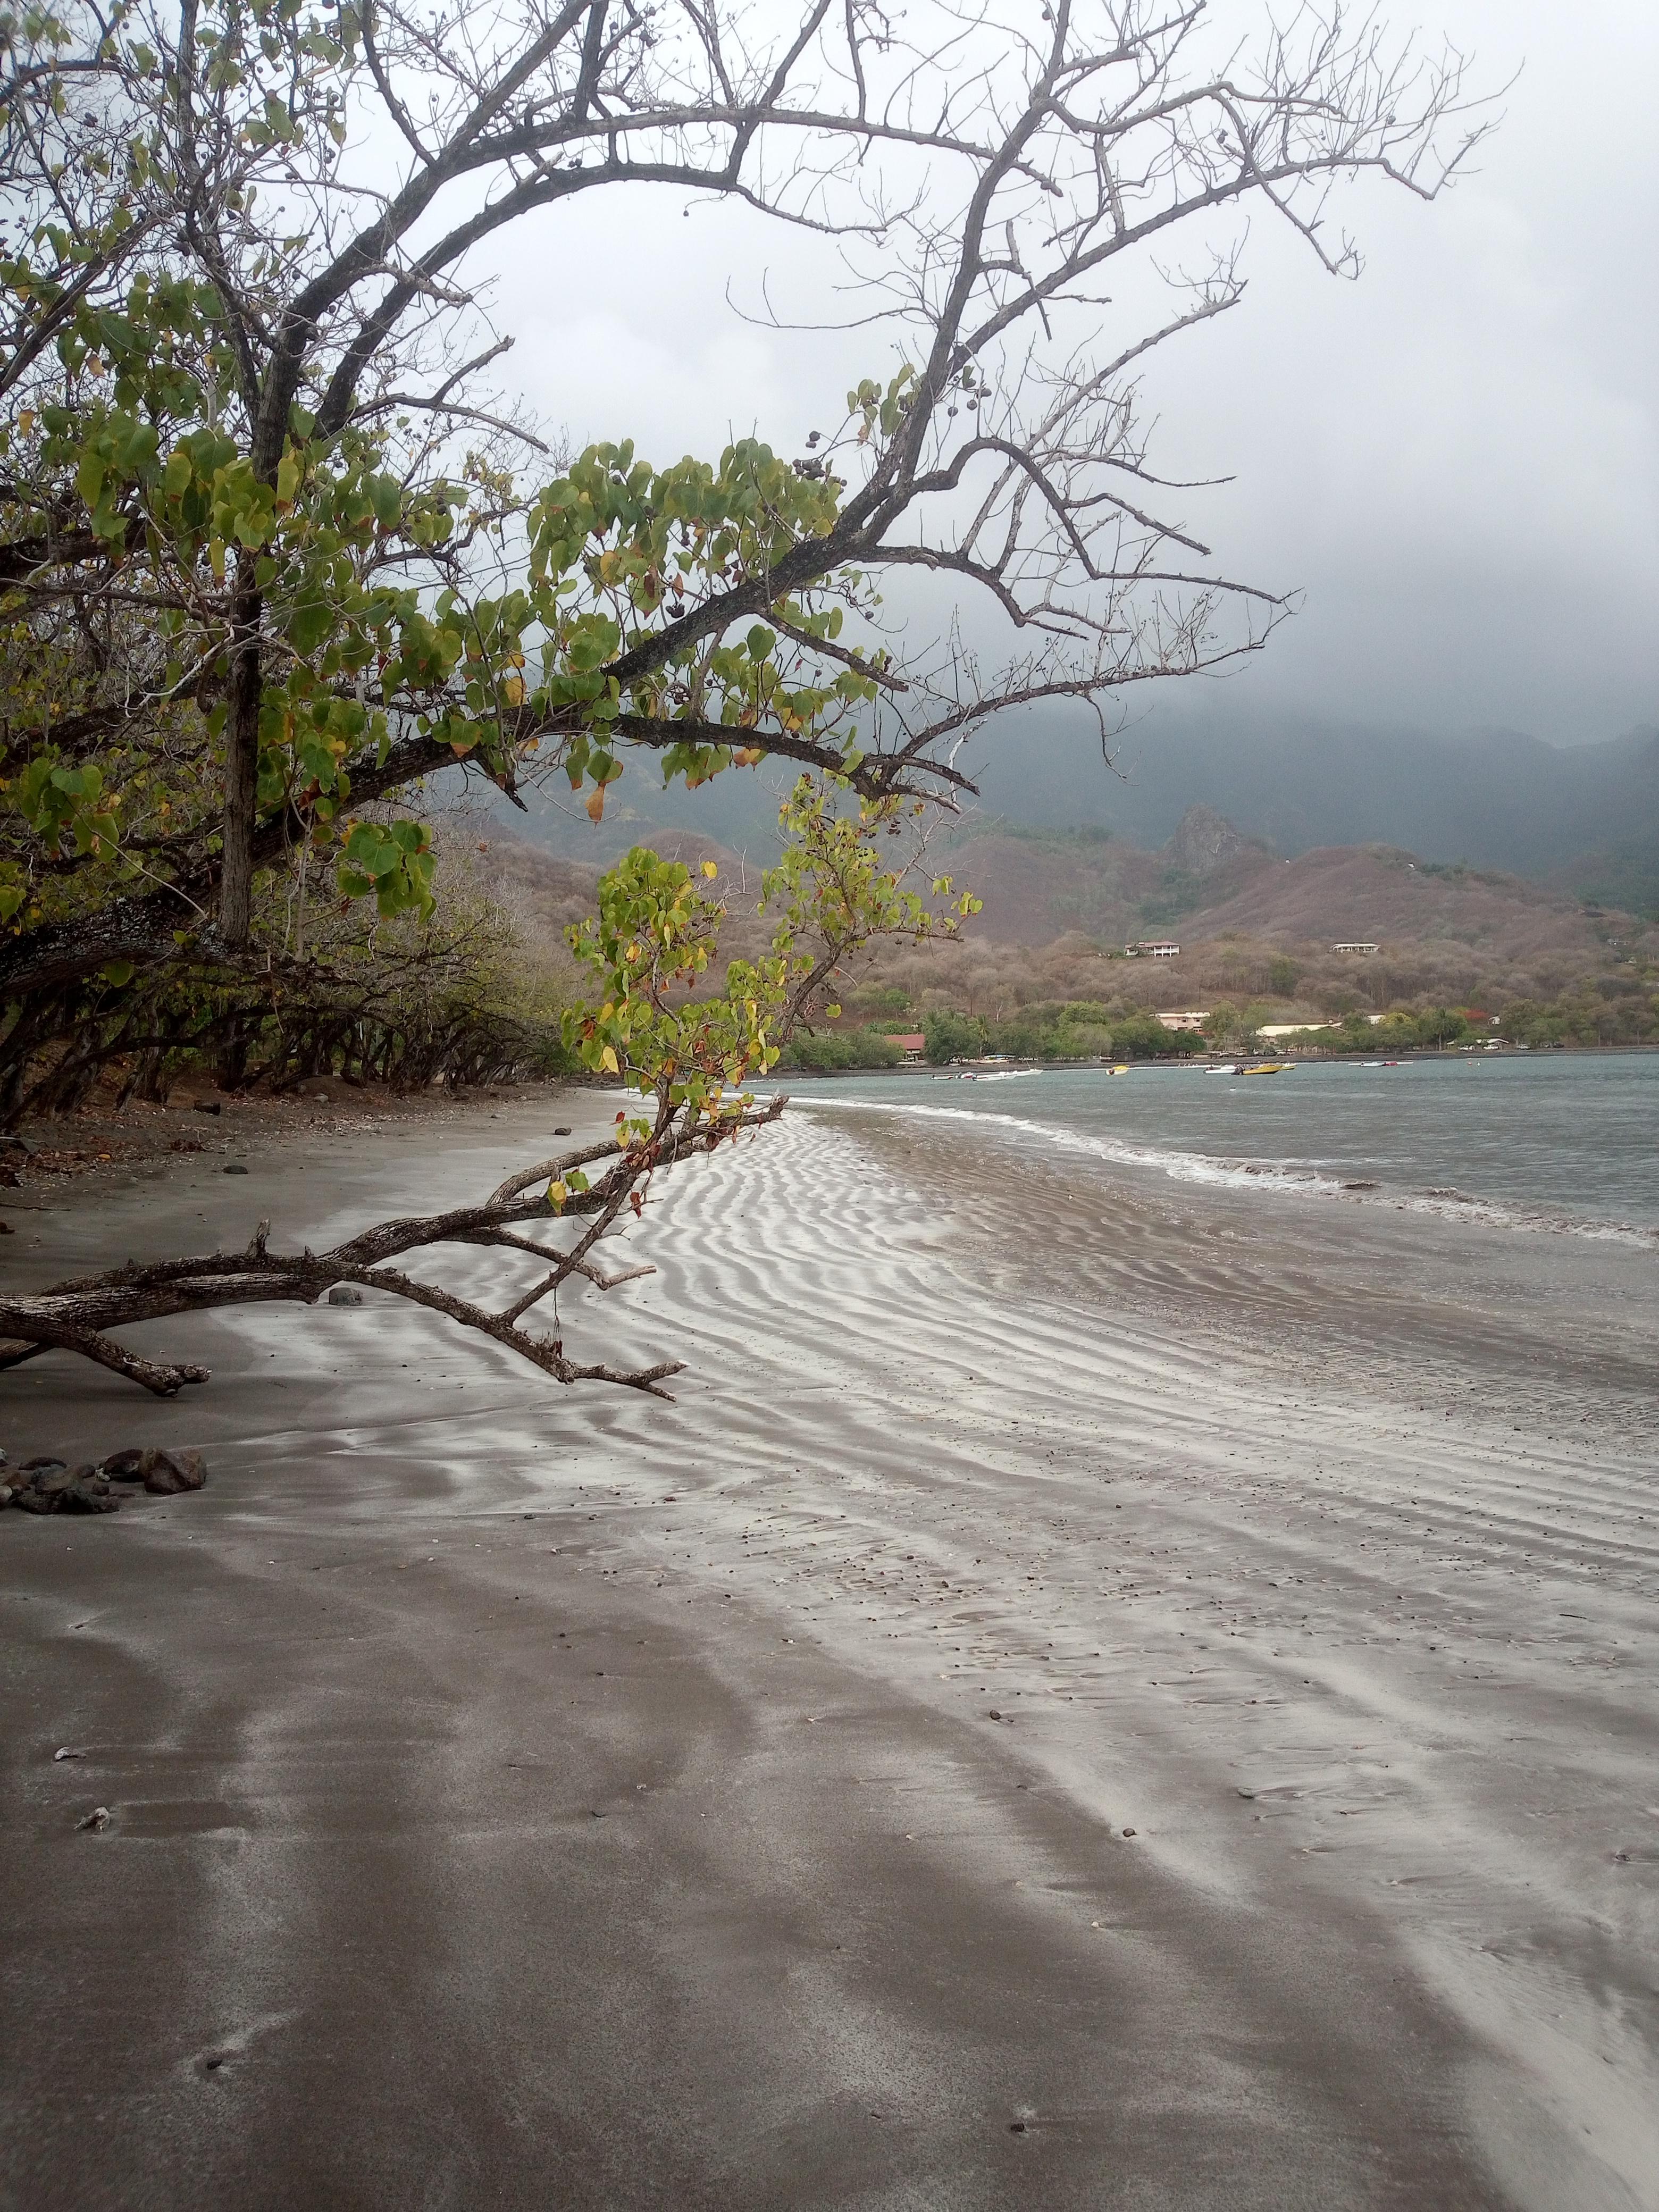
[(274, 546)]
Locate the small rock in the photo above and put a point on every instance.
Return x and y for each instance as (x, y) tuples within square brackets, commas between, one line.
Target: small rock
[(562, 1132), (97, 1818), (53, 1481), (994, 1715), (1015, 2127), (168, 1473), (6, 1228), (1248, 1794), (33, 1468), (346, 1294), (126, 1466), (1128, 1832), (208, 1106), (234, 1167), (31, 1500), (88, 1493), (66, 1753)]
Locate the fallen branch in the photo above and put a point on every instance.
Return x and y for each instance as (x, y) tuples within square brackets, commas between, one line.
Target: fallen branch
[(77, 1315)]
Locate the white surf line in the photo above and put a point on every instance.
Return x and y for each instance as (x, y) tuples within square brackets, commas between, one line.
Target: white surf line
[(1267, 1176)]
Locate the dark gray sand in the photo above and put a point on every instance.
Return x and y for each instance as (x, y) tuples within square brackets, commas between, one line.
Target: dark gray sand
[(523, 1797)]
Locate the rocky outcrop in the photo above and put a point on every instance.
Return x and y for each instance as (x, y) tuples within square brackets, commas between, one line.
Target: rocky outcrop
[(1205, 841)]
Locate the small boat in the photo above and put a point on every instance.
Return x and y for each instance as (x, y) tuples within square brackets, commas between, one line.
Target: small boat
[(1227, 1068), (1265, 1067), (1121, 1069)]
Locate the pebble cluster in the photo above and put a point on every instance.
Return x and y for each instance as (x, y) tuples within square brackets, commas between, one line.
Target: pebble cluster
[(51, 1485)]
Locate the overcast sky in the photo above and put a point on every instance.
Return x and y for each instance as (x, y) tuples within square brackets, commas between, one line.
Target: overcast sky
[(1456, 460)]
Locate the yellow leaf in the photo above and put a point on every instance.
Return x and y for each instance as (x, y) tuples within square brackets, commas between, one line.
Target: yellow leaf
[(556, 1194), (608, 1061), (596, 805), (710, 870)]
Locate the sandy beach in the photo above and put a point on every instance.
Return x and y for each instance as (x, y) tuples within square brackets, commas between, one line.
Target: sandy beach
[(1088, 1697)]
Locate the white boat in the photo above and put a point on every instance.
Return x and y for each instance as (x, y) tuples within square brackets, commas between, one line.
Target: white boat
[(1227, 1068)]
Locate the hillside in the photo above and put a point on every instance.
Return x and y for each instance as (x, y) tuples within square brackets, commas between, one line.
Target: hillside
[(1059, 910), (1036, 888), (1585, 821)]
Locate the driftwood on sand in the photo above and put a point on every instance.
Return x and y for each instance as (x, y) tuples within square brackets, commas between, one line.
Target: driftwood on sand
[(79, 1316)]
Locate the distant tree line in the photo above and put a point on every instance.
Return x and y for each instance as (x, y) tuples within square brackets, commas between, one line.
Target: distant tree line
[(1588, 1016)]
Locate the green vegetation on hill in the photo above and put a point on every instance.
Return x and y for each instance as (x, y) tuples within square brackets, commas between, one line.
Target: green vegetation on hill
[(1613, 1010), (832, 1051), (1077, 1028)]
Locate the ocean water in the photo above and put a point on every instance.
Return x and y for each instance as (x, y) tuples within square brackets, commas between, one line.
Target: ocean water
[(1542, 1141)]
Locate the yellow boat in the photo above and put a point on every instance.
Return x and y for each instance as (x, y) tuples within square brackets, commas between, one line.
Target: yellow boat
[(1266, 1067), (1122, 1070)]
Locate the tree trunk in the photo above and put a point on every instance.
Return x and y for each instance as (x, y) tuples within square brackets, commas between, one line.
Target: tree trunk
[(241, 760)]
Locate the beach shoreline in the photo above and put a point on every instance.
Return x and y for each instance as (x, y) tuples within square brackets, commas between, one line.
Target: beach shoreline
[(640, 1759)]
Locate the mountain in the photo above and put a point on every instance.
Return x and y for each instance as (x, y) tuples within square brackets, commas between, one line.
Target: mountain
[(1584, 819), (1495, 798), (1211, 883), (1067, 902)]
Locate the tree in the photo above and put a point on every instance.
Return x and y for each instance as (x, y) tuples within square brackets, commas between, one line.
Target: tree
[(654, 938), (952, 1037), (262, 511)]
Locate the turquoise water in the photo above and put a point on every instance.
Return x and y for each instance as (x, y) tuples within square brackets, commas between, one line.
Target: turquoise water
[(1541, 1141)]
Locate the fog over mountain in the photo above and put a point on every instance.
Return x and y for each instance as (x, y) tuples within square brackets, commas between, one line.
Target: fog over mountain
[(1497, 798), (1453, 466), (1584, 817)]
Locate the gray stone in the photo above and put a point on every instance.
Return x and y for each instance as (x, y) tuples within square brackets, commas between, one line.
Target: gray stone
[(90, 1494), (346, 1294), (126, 1466), (168, 1473), (234, 1167)]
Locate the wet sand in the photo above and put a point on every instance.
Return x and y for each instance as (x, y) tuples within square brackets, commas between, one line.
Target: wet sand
[(530, 1797)]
